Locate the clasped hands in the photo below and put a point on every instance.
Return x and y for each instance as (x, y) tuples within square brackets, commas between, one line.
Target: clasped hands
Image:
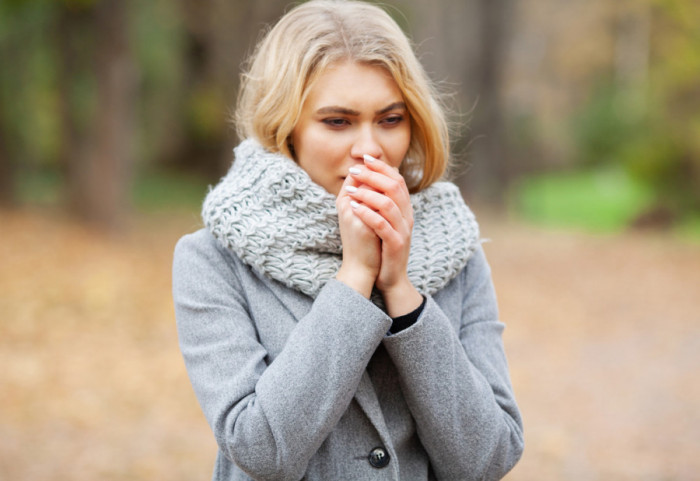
[(376, 221)]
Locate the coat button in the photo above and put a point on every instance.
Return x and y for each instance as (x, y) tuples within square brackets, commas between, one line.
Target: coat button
[(378, 458)]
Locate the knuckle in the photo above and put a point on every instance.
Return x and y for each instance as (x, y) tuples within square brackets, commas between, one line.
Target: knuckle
[(385, 204), (395, 187), (380, 223)]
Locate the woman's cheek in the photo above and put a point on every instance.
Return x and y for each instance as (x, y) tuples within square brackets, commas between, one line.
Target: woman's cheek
[(399, 144)]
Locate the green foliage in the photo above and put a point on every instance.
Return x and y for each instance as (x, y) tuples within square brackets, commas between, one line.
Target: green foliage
[(645, 133), (651, 127), (41, 187), (159, 190), (674, 93), (158, 43), (652, 130), (618, 129), (689, 228), (153, 190), (30, 89), (603, 199), (206, 121), (27, 96), (604, 126)]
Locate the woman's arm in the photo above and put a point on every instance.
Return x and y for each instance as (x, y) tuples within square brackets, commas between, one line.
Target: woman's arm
[(268, 417), (382, 203), (455, 380), (457, 384)]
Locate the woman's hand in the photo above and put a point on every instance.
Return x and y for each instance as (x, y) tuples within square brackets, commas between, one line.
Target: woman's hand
[(382, 203), (361, 246)]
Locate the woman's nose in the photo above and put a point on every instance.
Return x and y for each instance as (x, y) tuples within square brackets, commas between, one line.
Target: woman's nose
[(366, 143)]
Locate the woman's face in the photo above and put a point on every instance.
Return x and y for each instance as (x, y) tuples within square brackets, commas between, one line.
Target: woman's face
[(353, 109)]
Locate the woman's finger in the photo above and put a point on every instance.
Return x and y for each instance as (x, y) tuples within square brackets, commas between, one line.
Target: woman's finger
[(382, 167), (379, 176), (379, 225), (383, 205)]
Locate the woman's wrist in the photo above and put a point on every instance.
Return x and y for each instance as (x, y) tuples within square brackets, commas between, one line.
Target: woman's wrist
[(357, 278), (401, 298)]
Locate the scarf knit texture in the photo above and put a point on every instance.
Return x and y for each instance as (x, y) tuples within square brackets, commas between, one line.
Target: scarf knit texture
[(269, 212)]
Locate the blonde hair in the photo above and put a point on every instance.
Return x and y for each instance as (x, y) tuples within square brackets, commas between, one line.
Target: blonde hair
[(307, 40)]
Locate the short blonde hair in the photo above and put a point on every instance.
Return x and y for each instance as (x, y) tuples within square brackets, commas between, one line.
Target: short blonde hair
[(317, 34)]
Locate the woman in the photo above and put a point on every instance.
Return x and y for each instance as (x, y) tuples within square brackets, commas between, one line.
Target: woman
[(336, 315)]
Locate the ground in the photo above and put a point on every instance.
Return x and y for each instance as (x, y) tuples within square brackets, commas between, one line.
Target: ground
[(603, 340)]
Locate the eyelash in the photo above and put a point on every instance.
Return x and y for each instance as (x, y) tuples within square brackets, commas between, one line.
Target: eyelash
[(394, 119), (336, 122)]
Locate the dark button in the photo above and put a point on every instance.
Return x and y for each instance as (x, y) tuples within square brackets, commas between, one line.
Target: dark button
[(378, 457)]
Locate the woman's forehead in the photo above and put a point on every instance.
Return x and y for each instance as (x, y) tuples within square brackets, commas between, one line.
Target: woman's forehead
[(354, 83)]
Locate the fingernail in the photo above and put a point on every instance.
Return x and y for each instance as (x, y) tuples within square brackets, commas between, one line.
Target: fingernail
[(351, 188), (369, 158), (354, 170), (354, 204)]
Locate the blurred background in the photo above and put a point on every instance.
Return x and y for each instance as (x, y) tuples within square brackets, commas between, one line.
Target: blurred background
[(576, 141)]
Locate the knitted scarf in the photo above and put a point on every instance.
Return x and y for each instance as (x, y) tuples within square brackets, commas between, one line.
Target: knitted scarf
[(269, 212)]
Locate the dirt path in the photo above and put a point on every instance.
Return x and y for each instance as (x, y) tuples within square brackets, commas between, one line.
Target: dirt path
[(603, 339), (604, 343)]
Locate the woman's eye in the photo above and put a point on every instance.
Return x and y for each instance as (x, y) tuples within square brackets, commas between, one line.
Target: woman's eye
[(393, 120), (334, 122)]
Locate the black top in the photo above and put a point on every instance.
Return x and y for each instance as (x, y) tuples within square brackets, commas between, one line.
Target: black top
[(407, 320)]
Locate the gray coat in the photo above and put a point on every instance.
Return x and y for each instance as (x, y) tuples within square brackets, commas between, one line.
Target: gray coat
[(299, 388)]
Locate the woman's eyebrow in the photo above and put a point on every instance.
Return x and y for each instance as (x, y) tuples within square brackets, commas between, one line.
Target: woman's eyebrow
[(389, 108), (333, 109)]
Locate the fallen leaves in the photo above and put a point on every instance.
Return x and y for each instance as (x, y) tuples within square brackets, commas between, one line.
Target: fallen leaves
[(603, 339)]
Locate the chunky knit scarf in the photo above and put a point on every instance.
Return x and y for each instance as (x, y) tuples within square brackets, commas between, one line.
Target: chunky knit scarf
[(269, 212)]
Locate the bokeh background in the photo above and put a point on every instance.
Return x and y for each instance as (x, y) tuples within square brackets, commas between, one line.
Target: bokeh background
[(576, 141)]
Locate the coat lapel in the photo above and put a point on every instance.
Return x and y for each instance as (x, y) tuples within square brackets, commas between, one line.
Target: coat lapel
[(298, 305), (367, 399)]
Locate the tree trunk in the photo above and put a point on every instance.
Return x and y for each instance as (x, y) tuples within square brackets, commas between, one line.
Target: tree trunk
[(100, 178), (463, 43), (489, 172), (7, 192), (73, 26), (10, 55), (220, 34)]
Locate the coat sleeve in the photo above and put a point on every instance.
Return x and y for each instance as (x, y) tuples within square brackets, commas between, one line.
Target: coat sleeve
[(269, 419), (457, 384)]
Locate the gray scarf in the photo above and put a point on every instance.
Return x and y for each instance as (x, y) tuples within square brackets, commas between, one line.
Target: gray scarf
[(269, 212)]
